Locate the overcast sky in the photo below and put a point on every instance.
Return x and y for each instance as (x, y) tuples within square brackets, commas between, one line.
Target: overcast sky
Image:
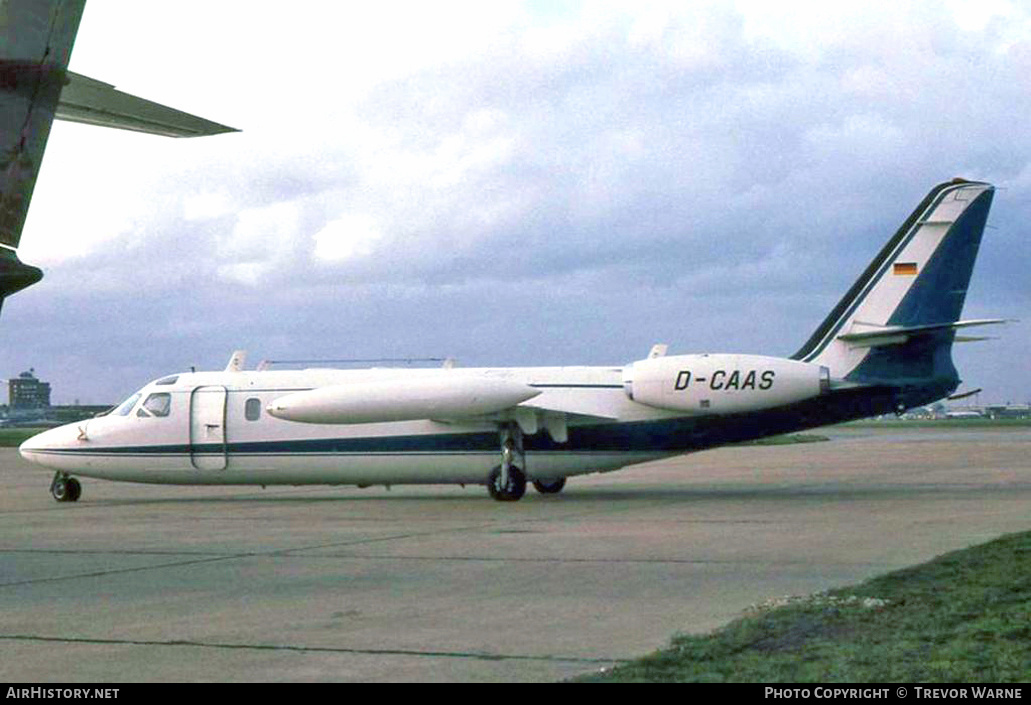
[(515, 183)]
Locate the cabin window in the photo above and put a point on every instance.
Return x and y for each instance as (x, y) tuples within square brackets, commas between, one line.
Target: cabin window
[(156, 405), (126, 406), (252, 409)]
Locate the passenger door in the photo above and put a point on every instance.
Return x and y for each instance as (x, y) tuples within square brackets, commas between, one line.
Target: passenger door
[(208, 450)]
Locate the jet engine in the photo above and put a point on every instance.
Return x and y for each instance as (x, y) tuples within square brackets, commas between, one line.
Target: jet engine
[(722, 384)]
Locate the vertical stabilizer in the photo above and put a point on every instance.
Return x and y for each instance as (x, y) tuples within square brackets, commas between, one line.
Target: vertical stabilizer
[(36, 38), (897, 323)]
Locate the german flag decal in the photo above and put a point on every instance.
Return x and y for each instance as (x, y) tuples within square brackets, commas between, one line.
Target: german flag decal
[(904, 269)]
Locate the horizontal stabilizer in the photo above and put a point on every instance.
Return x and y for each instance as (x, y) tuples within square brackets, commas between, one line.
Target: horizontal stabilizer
[(871, 336), (93, 102)]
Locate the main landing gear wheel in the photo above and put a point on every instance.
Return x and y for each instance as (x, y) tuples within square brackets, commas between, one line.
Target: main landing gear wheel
[(511, 492), (553, 487), (65, 489), (507, 482)]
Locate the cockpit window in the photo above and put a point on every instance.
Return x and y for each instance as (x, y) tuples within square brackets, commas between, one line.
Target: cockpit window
[(168, 380), (156, 405), (126, 406)]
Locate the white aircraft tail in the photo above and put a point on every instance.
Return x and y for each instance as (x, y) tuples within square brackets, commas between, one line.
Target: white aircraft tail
[(897, 323)]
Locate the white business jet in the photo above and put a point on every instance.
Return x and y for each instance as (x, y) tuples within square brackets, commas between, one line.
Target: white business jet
[(886, 347)]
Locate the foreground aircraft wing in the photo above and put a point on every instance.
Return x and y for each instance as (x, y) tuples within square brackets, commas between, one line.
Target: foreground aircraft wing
[(35, 44), (93, 102), (36, 38)]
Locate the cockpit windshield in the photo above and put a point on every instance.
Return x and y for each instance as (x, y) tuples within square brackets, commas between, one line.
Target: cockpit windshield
[(156, 405), (126, 406)]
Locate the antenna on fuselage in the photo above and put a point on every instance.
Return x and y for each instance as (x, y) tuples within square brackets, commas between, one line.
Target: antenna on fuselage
[(236, 361)]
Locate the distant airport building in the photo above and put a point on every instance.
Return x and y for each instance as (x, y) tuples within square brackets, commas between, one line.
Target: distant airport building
[(1009, 411), (27, 392)]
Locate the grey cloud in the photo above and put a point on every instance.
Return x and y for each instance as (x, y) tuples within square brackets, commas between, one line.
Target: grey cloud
[(631, 191)]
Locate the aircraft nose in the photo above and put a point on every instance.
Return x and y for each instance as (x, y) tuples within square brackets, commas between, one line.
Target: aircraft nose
[(37, 448)]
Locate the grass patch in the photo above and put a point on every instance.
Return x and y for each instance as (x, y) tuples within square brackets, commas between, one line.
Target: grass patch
[(963, 617), (938, 423), (787, 439), (14, 437)]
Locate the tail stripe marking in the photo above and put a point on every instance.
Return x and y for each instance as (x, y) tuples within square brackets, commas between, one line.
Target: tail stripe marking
[(873, 276)]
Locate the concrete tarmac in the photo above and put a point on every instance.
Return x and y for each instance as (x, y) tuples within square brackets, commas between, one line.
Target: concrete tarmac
[(139, 583)]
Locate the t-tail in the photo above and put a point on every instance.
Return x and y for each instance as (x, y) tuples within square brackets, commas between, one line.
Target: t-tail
[(893, 331), (36, 38)]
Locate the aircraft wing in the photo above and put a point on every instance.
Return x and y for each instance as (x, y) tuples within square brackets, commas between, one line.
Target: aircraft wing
[(36, 38), (574, 404), (553, 412), (94, 102)]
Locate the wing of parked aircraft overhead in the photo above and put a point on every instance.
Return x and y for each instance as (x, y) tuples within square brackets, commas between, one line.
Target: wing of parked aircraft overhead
[(36, 39), (93, 102)]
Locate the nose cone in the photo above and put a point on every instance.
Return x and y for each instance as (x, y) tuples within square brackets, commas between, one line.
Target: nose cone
[(44, 448)]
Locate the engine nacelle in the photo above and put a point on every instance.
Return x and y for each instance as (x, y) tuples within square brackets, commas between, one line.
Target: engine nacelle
[(722, 384)]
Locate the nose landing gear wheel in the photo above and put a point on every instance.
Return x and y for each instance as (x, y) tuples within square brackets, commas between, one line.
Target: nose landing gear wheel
[(511, 492), (65, 489)]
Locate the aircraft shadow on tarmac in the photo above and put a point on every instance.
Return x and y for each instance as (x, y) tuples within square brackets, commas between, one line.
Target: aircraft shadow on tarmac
[(839, 491)]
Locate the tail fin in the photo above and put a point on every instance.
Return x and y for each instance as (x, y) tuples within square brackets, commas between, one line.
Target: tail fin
[(897, 323), (35, 44)]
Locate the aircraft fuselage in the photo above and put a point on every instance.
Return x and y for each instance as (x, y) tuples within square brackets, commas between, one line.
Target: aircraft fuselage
[(215, 427)]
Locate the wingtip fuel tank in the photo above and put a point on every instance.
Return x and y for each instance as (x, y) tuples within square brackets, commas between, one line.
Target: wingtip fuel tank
[(441, 396)]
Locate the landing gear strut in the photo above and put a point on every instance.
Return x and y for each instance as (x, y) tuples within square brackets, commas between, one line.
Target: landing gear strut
[(507, 482), (64, 488)]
